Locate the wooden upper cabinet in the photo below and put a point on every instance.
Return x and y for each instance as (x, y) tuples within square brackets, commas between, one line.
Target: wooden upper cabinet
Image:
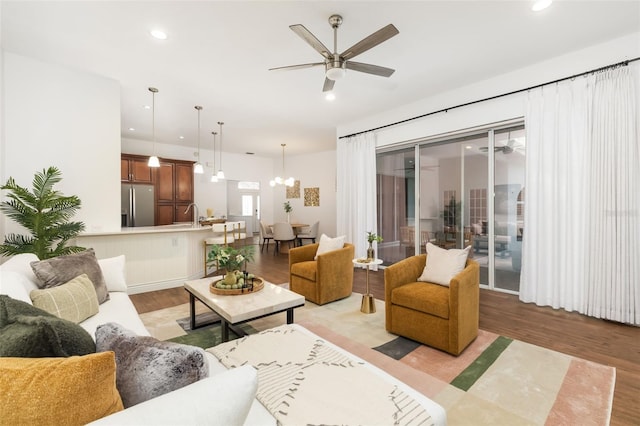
[(134, 169), (184, 182), (164, 182)]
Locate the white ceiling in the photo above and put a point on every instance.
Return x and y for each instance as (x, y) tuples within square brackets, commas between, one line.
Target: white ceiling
[(218, 54)]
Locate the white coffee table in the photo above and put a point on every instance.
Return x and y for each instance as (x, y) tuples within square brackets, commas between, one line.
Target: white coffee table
[(237, 309)]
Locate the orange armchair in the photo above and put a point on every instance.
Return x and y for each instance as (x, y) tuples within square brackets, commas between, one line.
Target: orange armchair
[(443, 317), (324, 280)]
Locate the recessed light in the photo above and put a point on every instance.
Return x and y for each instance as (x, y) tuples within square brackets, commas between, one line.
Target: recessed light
[(330, 96), (147, 107), (159, 34), (539, 5), (468, 147), (180, 137), (132, 129)]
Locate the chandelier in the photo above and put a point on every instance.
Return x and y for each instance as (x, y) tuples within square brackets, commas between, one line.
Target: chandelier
[(197, 168), (153, 160), (282, 181)]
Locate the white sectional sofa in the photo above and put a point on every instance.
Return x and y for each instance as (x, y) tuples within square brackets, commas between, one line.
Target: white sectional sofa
[(227, 396)]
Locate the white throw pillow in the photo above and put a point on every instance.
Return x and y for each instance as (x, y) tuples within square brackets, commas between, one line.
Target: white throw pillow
[(223, 399), (113, 272), (329, 244), (442, 265)]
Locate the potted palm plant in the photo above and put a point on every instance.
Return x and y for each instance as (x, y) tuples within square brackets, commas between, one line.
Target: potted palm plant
[(43, 211)]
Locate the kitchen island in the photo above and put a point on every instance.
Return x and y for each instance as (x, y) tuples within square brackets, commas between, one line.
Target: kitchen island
[(157, 257)]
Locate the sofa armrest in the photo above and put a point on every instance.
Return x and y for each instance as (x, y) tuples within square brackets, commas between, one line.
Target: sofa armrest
[(464, 299), (302, 254), (228, 396)]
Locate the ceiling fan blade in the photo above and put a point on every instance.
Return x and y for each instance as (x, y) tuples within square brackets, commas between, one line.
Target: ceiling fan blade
[(297, 67), (373, 40), (328, 85), (370, 69), (306, 35)]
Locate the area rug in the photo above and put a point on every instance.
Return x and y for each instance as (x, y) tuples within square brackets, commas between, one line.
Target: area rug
[(495, 381)]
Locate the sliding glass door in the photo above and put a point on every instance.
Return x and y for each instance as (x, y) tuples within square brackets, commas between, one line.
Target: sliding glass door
[(438, 192)]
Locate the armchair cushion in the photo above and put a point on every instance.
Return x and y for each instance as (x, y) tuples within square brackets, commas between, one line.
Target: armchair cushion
[(329, 244), (442, 265), (307, 270), (423, 297)]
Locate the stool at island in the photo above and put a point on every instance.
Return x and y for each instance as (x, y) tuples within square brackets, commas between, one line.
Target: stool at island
[(223, 236), (368, 305)]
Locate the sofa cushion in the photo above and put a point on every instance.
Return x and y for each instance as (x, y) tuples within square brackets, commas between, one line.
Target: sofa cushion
[(329, 244), (114, 273), (442, 265), (64, 391), (26, 331), (74, 301), (432, 299), (223, 399), (21, 263), (306, 270), (59, 270), (15, 285), (148, 367)]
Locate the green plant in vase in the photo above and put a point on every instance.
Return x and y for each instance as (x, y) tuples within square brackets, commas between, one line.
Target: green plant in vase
[(232, 260), (43, 211), (288, 209), (371, 237)]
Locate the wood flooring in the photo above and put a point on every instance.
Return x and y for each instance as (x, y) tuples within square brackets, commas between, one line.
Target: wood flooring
[(601, 341)]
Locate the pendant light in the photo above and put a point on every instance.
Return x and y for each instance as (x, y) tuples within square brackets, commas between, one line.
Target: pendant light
[(282, 181), (214, 177), (153, 160), (220, 174), (197, 168)]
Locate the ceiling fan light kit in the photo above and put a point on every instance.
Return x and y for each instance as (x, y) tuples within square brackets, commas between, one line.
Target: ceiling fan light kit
[(336, 64)]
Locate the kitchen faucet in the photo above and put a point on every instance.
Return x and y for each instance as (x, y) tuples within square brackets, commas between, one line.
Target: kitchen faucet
[(196, 218)]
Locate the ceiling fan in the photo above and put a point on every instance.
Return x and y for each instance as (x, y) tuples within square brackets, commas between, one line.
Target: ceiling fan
[(336, 63), (510, 147)]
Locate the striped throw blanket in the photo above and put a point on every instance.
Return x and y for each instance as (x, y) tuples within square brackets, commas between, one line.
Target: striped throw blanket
[(303, 380)]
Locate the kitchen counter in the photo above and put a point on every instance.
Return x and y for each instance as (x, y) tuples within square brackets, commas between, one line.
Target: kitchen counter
[(178, 227), (157, 257)]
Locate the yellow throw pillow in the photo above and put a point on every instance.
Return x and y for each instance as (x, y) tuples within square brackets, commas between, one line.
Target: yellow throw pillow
[(74, 301), (65, 391)]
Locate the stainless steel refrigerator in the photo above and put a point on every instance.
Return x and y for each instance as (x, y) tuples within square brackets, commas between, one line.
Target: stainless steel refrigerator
[(138, 204)]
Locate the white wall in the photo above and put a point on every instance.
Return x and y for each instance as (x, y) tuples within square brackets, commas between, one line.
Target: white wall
[(56, 116), (497, 110)]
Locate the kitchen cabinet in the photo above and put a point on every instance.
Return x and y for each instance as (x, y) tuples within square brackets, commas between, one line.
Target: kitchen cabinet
[(174, 189), (134, 169)]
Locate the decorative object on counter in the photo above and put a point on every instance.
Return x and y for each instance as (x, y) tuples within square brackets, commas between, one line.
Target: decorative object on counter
[(288, 209), (312, 197), (197, 168), (280, 180), (153, 160), (220, 174), (214, 176), (43, 211), (231, 259), (371, 237), (294, 191)]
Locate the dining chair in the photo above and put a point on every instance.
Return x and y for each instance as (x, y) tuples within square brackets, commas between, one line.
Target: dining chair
[(266, 234), (282, 232), (308, 233)]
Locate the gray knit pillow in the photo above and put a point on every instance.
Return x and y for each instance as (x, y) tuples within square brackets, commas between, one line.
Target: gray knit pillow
[(147, 367), (62, 269)]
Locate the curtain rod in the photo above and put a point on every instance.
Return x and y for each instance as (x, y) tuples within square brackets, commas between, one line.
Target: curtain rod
[(606, 67)]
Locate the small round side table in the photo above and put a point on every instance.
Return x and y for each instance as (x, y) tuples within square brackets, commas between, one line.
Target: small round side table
[(368, 305)]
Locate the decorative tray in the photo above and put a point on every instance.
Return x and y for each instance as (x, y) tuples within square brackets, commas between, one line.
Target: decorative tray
[(258, 284)]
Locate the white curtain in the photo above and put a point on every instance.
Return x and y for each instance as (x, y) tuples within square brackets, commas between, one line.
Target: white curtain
[(582, 231), (356, 190)]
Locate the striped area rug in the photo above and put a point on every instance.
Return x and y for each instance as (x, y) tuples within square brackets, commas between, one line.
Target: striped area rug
[(495, 381)]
